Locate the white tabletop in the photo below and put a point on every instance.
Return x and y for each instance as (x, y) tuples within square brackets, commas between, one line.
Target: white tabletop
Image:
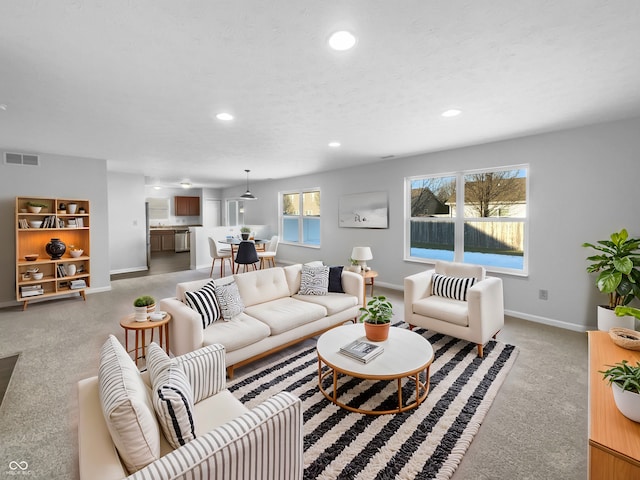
[(404, 352)]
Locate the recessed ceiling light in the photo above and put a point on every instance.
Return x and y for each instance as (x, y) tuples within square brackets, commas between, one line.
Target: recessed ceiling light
[(451, 113), (225, 117), (334, 144), (185, 184), (342, 40), (157, 187)]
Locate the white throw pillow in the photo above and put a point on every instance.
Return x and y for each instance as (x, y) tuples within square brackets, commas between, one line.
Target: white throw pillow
[(229, 299), (314, 280), (127, 407), (172, 397)]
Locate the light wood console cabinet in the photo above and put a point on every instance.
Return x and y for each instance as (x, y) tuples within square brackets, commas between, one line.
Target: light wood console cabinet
[(72, 226), (614, 440)]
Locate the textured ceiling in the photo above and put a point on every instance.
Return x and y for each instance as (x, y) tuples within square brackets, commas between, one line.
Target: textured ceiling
[(139, 82)]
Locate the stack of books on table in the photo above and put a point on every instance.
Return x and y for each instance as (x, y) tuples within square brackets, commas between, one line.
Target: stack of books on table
[(361, 350), (31, 290)]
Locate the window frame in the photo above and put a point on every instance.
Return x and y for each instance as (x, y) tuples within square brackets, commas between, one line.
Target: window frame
[(458, 218), (300, 217)]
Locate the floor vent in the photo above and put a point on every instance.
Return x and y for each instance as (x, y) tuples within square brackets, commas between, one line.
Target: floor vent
[(21, 159)]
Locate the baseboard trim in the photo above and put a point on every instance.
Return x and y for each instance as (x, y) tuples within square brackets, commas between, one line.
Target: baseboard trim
[(550, 321), (129, 270)]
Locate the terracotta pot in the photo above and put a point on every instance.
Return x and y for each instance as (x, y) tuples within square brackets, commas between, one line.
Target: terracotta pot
[(377, 332)]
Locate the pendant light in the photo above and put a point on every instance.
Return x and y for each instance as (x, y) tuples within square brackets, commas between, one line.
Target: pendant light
[(248, 195)]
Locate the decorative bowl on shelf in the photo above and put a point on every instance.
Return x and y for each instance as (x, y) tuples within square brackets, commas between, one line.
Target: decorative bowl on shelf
[(76, 253), (37, 275), (31, 257), (35, 223), (34, 209)]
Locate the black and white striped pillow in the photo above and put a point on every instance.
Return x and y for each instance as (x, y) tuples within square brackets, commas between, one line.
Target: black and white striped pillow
[(314, 280), (205, 369), (204, 302), (451, 287), (172, 397)]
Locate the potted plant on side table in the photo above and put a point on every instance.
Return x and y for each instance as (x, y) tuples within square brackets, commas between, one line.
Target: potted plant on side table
[(143, 306), (244, 232), (377, 318), (625, 382), (617, 276)]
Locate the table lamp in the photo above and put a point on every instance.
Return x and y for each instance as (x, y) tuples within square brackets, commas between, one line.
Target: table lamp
[(362, 254)]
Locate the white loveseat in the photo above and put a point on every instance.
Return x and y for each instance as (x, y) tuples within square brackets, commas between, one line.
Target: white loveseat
[(232, 442), (275, 314), (476, 318)]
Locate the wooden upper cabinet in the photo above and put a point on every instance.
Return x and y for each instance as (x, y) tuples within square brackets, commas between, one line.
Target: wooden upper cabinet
[(187, 206)]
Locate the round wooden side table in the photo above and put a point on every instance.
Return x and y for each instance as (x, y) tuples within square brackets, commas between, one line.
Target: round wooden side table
[(371, 275), (140, 329)]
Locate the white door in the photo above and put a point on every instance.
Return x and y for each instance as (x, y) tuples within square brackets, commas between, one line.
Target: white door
[(211, 213)]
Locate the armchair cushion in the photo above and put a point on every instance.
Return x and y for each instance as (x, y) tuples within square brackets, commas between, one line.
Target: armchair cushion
[(205, 303), (205, 370), (172, 397), (127, 407), (442, 308), (451, 287), (314, 280)]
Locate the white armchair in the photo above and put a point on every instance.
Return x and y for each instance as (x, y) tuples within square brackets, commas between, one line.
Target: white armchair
[(476, 315), (232, 441)]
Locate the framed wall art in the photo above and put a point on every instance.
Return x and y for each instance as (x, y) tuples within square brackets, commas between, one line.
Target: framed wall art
[(364, 210)]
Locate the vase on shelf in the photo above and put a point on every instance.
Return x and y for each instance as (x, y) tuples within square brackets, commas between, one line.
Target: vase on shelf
[(55, 248)]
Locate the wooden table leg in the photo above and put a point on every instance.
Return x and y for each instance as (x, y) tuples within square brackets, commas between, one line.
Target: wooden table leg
[(166, 337), (135, 351)]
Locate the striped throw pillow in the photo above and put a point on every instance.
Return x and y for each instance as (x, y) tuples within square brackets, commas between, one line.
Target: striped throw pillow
[(127, 407), (204, 302), (172, 397), (451, 287), (314, 280), (205, 369)]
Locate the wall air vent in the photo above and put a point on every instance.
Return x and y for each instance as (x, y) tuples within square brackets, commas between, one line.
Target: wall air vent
[(21, 159)]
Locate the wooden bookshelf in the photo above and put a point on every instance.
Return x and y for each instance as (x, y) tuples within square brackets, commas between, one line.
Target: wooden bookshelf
[(73, 228)]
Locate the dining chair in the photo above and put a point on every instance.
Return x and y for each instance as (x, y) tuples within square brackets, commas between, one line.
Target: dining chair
[(246, 255), (217, 254), (268, 257)]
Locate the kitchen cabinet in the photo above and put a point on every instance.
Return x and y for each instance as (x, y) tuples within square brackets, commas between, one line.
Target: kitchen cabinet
[(163, 240), (187, 206)]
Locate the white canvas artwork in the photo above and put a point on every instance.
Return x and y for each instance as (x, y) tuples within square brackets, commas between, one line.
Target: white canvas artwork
[(364, 210)]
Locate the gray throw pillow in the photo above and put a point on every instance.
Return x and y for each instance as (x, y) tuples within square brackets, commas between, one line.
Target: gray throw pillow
[(314, 280)]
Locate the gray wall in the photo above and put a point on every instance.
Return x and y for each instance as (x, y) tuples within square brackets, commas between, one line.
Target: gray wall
[(58, 176), (583, 186), (127, 223)]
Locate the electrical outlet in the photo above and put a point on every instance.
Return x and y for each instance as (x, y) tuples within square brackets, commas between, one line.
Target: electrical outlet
[(543, 294)]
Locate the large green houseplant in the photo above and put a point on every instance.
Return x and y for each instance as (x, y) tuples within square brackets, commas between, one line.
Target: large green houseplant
[(376, 317), (618, 276)]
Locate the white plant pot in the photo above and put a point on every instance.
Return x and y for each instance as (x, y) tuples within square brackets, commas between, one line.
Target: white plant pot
[(608, 319), (627, 402), (140, 314)]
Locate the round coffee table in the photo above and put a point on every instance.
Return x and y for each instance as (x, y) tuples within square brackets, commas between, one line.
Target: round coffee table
[(406, 354), (140, 329)]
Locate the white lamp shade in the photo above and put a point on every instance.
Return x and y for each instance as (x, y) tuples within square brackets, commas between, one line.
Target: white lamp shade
[(361, 253)]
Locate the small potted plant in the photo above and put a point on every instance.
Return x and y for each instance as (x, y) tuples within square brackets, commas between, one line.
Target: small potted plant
[(355, 266), (35, 207), (143, 306), (244, 232), (625, 382), (617, 276), (377, 318)]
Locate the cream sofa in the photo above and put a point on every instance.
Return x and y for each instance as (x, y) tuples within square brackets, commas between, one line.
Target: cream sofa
[(275, 315), (232, 442), (476, 319)]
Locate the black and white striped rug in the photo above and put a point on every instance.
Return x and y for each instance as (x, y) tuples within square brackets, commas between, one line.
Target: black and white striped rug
[(426, 442)]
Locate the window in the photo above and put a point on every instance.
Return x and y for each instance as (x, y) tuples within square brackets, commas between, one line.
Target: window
[(300, 217), (235, 213), (473, 217)]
